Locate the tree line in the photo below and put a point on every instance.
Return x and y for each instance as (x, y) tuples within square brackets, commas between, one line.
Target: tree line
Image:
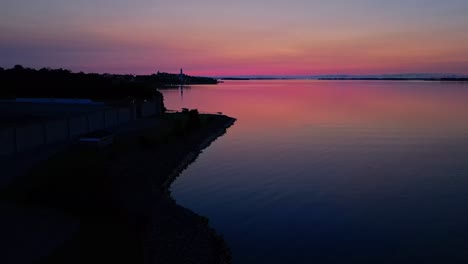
[(62, 83)]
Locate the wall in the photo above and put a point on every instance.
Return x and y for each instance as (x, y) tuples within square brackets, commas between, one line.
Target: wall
[(96, 121), (147, 109), (7, 141), (56, 131), (77, 126), (30, 136), (150, 108), (40, 133), (111, 118), (125, 115)]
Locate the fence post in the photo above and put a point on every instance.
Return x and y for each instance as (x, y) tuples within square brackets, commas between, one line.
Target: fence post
[(68, 129), (44, 130), (87, 123), (118, 116), (15, 141), (104, 119)]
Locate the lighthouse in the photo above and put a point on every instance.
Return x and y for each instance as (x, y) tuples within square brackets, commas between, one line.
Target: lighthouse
[(181, 76)]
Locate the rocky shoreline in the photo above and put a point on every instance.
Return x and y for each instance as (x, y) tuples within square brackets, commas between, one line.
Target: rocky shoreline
[(122, 200), (200, 224), (192, 156)]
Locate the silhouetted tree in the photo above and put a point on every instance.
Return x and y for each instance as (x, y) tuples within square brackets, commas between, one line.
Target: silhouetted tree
[(193, 119), (18, 67), (62, 83)]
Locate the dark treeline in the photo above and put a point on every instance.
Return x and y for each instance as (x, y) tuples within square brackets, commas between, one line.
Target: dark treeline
[(60, 83), (162, 78)]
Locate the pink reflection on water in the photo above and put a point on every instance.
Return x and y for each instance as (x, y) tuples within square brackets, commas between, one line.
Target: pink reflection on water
[(349, 162), (262, 105)]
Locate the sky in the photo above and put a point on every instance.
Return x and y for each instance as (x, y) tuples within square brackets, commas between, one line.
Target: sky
[(242, 37)]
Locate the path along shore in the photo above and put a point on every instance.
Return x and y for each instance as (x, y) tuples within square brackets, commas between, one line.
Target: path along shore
[(120, 197)]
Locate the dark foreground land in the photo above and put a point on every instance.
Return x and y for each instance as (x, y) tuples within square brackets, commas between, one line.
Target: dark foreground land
[(120, 197)]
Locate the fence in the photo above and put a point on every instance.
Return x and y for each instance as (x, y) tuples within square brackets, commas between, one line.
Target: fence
[(19, 138)]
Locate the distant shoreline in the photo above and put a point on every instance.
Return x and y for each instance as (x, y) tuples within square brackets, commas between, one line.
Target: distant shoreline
[(397, 79), (347, 79)]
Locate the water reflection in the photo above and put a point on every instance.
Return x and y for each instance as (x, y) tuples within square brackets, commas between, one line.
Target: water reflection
[(334, 172)]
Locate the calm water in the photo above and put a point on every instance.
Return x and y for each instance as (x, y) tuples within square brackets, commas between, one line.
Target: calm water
[(334, 171)]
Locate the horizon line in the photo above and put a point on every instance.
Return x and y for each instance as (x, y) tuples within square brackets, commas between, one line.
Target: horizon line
[(389, 75), (292, 76)]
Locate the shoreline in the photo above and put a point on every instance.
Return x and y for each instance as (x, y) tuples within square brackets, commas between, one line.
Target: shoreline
[(222, 251), (122, 200), (192, 156), (200, 223)]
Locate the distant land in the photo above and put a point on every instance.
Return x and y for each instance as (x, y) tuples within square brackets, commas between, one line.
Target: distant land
[(61, 83), (396, 77)]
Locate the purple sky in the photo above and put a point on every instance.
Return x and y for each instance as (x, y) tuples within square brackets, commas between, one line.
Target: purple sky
[(237, 37)]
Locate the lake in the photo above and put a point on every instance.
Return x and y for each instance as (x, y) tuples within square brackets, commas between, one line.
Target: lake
[(333, 171)]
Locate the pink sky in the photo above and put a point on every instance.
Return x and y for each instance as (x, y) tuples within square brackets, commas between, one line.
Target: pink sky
[(242, 38)]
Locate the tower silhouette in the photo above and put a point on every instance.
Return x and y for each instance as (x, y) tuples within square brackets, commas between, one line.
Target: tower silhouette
[(182, 82), (181, 76)]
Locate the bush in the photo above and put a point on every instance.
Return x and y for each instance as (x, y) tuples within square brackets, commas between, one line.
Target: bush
[(194, 119)]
